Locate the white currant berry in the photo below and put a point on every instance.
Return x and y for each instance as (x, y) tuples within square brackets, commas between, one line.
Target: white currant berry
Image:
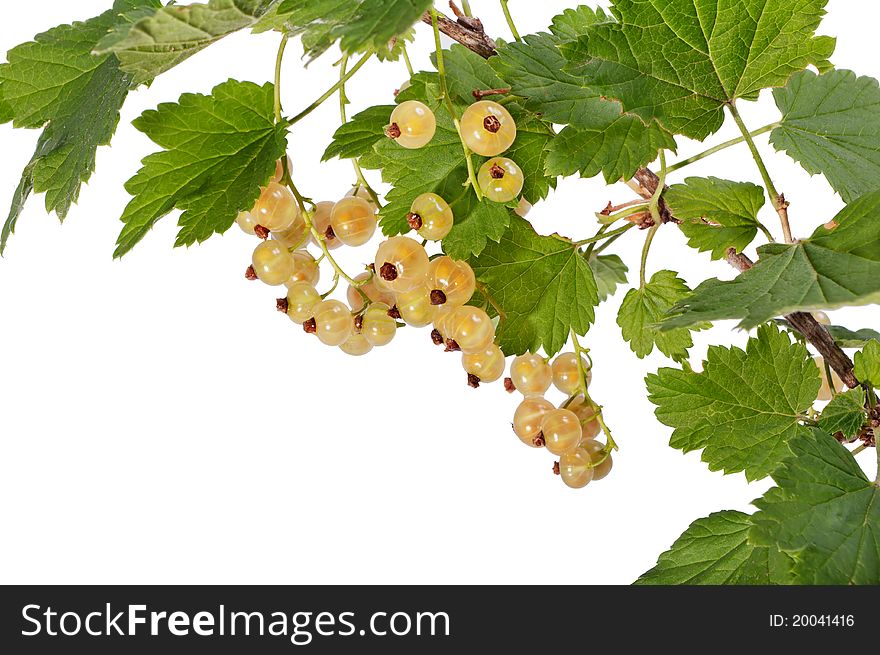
[(368, 287), (431, 217), (401, 263), (487, 128), (576, 469), (377, 326), (527, 420), (822, 318), (454, 279), (296, 236), (471, 328), (487, 365), (566, 374), (413, 124), (305, 268), (531, 374), (302, 299), (272, 263), (588, 415), (321, 223), (246, 222), (415, 306), (359, 191), (353, 221), (356, 345), (596, 450), (562, 431), (277, 209), (500, 179), (333, 322)]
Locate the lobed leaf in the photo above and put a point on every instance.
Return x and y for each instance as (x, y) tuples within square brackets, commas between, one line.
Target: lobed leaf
[(543, 285), (716, 214), (609, 271), (680, 62), (833, 268), (824, 512), (845, 414), (867, 364), (746, 405), (219, 149), (716, 551)]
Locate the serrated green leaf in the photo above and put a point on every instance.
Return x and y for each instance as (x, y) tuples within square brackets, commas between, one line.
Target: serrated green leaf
[(169, 35), (466, 72), (745, 406), (716, 214), (609, 271), (824, 512), (376, 22), (219, 150), (867, 363), (847, 338), (599, 137), (54, 82), (845, 413), (543, 285), (713, 53), (715, 551), (831, 126), (643, 309), (358, 136), (572, 23), (316, 21), (833, 268)]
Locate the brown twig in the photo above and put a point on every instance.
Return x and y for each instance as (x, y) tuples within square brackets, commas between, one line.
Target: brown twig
[(468, 32), (813, 331)]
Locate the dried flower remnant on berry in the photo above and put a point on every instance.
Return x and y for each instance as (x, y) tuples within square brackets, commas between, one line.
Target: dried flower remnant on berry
[(282, 305), (262, 232), (473, 381), (393, 131), (436, 337), (496, 172), (414, 221), (394, 313), (509, 386), (452, 346), (310, 326), (438, 297), (250, 274), (388, 272)]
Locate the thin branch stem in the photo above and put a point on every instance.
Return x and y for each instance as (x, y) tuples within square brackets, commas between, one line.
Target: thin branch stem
[(466, 7), (722, 146), (776, 199), (343, 102), (332, 90), (444, 90), (580, 354), (509, 20), (406, 60), (603, 234), (654, 207), (279, 59)]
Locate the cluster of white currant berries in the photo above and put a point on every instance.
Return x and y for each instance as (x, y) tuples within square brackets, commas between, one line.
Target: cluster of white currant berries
[(568, 431), (487, 128)]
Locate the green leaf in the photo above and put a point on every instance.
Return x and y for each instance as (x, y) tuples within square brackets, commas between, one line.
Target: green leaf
[(867, 362), (376, 22), (680, 62), (599, 139), (716, 214), (831, 125), (572, 23), (715, 551), (824, 512), (609, 271), (466, 72), (167, 36), (543, 285), (833, 268), (643, 309), (315, 20), (845, 413), (745, 406), (54, 82), (847, 338), (357, 137), (219, 150)]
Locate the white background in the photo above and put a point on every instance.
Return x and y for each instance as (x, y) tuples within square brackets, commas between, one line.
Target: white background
[(161, 423)]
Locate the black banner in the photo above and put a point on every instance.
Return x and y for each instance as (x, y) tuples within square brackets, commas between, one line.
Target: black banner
[(419, 620)]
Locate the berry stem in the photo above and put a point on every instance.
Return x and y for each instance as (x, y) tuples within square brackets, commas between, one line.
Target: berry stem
[(776, 199), (582, 353), (608, 219), (343, 103), (509, 20), (466, 7), (444, 90), (658, 220), (489, 299), (406, 60), (332, 90), (278, 63), (722, 146)]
